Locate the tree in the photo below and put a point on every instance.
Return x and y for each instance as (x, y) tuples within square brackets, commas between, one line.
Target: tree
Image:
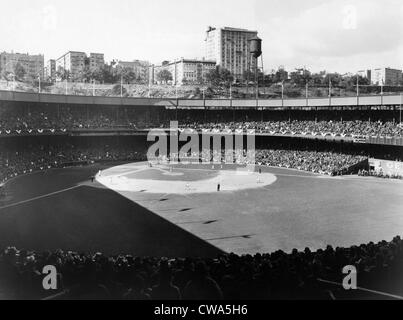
[(351, 82), (164, 76), (62, 74), (127, 74), (280, 75), (226, 77), (19, 71), (268, 80), (107, 73), (213, 76), (335, 80), (197, 91), (300, 77), (78, 76), (317, 79), (95, 74), (248, 75), (219, 76)]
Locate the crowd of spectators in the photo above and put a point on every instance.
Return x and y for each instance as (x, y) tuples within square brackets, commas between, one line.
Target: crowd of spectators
[(12, 122), (278, 275), (298, 127), (38, 121), (322, 162), (15, 163), (99, 120), (42, 120), (330, 163), (39, 157)]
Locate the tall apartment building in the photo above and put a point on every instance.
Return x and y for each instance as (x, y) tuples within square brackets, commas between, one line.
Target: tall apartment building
[(140, 68), (73, 62), (50, 70), (186, 71), (97, 60), (230, 48), (386, 76), (32, 64)]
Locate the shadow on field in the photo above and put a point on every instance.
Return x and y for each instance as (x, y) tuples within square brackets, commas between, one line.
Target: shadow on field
[(88, 219)]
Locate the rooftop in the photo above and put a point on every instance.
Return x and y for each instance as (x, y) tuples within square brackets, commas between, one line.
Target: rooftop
[(70, 52), (238, 29), (210, 28)]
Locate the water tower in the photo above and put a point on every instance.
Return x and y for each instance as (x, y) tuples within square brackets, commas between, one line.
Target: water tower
[(255, 45)]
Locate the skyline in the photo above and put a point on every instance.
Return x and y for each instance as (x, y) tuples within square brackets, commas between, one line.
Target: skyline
[(337, 36)]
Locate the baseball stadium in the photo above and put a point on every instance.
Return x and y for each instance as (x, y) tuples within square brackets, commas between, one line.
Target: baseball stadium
[(79, 191)]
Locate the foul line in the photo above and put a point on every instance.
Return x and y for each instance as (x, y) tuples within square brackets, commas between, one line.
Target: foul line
[(37, 198)]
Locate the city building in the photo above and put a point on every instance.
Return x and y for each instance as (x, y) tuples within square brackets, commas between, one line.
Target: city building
[(185, 71), (50, 70), (230, 48), (365, 74), (140, 68), (97, 60), (33, 64), (73, 62), (382, 76), (386, 76)]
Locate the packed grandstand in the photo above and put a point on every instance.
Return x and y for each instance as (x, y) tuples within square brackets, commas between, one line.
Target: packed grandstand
[(37, 137), (39, 158), (47, 120), (40, 120), (278, 275)]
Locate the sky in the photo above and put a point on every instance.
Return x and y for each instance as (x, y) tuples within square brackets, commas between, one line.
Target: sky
[(333, 35)]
